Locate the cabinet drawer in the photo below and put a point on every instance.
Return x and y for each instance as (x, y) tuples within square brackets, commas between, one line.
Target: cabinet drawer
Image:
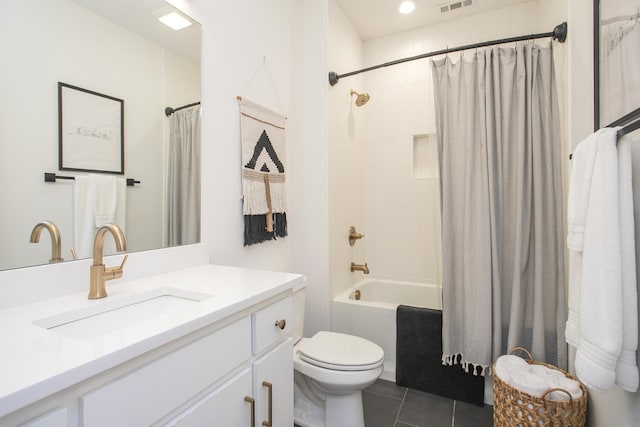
[(149, 393), (224, 406), (56, 418), (265, 329)]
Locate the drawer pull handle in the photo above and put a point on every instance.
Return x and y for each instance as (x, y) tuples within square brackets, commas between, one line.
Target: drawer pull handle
[(281, 323), (269, 387), (253, 409)]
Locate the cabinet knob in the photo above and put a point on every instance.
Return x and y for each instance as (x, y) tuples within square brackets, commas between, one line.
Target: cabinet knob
[(281, 323)]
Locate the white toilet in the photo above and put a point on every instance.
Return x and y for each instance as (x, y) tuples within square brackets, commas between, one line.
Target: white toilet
[(331, 370)]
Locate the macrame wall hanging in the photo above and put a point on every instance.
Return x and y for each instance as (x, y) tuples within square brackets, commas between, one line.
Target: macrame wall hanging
[(263, 172)]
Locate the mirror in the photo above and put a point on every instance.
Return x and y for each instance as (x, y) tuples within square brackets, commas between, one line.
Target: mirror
[(117, 48), (616, 62)]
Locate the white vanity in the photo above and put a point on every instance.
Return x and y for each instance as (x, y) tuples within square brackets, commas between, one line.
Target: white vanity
[(204, 345)]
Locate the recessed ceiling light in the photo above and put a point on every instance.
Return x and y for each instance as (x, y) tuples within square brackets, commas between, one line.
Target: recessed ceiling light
[(407, 7), (173, 19)]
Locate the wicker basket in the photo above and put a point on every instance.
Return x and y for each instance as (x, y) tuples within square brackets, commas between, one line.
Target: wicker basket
[(515, 408)]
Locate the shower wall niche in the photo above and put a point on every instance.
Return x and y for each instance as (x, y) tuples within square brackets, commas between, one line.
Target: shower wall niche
[(425, 156)]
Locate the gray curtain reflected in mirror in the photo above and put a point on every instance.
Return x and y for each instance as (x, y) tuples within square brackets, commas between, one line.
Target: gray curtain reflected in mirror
[(183, 181)]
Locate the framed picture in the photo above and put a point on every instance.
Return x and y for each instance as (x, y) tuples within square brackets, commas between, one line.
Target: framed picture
[(90, 131), (616, 32)]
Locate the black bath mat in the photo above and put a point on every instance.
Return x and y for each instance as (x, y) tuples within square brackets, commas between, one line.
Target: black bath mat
[(419, 358)]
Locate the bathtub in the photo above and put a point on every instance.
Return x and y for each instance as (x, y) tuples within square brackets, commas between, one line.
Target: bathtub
[(373, 316)]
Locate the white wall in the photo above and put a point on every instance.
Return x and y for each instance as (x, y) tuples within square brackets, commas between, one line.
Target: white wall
[(56, 40), (291, 37), (347, 146), (614, 407)]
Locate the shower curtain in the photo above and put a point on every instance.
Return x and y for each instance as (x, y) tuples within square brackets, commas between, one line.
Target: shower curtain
[(183, 182), (502, 227)]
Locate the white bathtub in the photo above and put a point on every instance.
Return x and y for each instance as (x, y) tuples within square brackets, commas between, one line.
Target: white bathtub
[(374, 316)]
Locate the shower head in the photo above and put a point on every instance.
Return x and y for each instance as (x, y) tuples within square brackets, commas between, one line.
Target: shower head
[(361, 98)]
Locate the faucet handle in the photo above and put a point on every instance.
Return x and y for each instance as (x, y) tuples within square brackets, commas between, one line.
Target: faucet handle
[(354, 235), (115, 272)]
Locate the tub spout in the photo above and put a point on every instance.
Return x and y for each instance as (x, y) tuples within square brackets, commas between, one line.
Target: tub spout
[(360, 267)]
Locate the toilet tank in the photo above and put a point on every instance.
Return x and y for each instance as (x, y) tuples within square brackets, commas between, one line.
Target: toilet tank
[(299, 296)]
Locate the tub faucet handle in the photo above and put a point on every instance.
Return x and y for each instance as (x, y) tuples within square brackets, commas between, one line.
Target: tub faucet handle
[(354, 235)]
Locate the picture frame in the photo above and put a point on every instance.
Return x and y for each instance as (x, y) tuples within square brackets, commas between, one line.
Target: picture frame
[(616, 34), (90, 131)]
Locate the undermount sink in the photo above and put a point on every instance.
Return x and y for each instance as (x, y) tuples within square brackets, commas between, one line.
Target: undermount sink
[(110, 315)]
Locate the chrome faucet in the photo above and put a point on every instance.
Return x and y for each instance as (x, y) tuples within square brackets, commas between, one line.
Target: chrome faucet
[(56, 253), (360, 267), (99, 273)]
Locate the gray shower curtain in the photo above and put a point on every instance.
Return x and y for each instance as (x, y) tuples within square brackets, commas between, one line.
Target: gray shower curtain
[(502, 227), (183, 182)]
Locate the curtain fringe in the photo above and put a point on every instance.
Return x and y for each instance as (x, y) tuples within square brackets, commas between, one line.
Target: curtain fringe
[(458, 359)]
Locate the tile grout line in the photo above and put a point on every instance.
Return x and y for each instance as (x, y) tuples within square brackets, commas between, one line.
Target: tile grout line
[(383, 395), (453, 415), (400, 408)]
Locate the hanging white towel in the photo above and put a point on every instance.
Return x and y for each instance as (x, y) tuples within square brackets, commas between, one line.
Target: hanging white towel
[(602, 289), (627, 377), (98, 200), (105, 200)]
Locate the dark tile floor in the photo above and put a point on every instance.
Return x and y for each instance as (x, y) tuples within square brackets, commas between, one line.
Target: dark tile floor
[(387, 405)]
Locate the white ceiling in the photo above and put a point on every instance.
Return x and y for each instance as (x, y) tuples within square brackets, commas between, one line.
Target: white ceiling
[(377, 18), (138, 17), (372, 18)]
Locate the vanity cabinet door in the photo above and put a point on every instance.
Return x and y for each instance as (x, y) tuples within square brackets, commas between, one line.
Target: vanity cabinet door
[(153, 391), (274, 370), (224, 406)]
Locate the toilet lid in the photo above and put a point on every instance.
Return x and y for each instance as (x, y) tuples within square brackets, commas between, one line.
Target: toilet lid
[(342, 352)]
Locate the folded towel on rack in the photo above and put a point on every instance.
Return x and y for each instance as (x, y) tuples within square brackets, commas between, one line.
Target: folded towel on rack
[(98, 200), (602, 289)]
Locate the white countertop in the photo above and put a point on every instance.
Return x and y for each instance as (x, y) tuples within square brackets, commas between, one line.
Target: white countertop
[(36, 362)]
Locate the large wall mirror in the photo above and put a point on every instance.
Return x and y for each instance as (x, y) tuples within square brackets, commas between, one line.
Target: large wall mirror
[(114, 47), (616, 47)]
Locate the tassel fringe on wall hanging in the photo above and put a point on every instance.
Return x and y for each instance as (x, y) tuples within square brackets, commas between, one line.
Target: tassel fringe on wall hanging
[(263, 173)]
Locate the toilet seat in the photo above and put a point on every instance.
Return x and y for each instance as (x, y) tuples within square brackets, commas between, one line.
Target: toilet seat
[(340, 352)]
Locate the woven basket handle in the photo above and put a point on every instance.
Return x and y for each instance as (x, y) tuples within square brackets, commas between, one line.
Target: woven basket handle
[(551, 390), (514, 349)]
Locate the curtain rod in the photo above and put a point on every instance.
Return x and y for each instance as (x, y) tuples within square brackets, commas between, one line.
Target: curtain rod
[(169, 111), (559, 33)]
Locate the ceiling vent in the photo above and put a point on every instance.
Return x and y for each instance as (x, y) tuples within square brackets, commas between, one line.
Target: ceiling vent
[(455, 5)]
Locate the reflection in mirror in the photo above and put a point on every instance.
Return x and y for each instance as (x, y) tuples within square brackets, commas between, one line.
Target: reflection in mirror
[(617, 46), (101, 46)]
